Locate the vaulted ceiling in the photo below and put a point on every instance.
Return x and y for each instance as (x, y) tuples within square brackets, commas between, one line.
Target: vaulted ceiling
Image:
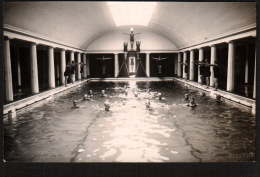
[(82, 23)]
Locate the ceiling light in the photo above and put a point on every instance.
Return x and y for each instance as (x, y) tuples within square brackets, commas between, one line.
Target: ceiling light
[(131, 13)]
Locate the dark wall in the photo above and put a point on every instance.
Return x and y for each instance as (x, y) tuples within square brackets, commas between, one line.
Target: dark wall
[(222, 57), (67, 56), (188, 61), (57, 67), (181, 65), (167, 65), (95, 65), (206, 53), (141, 66), (123, 66), (240, 59), (42, 62), (14, 56), (251, 63), (196, 58), (23, 54)]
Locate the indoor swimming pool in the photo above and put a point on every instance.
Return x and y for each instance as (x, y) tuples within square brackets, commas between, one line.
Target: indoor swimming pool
[(166, 131)]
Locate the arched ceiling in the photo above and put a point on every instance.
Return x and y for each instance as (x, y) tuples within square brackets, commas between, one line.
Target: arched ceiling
[(82, 23), (114, 40)]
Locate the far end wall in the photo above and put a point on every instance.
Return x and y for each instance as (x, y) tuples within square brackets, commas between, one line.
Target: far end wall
[(114, 41)]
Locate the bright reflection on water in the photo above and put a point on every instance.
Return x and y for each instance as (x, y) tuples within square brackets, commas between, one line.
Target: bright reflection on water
[(165, 131)]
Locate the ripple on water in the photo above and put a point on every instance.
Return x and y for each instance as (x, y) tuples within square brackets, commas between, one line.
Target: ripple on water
[(132, 133)]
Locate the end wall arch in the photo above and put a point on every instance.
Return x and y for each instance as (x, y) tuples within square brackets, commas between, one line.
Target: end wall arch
[(113, 41)]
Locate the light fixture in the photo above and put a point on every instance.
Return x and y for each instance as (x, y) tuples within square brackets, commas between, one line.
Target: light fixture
[(132, 13)]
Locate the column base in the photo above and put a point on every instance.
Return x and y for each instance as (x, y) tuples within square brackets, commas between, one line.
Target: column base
[(11, 114)]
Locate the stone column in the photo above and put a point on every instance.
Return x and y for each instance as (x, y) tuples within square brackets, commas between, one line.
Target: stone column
[(85, 66), (183, 66), (51, 74), (200, 59), (147, 67), (231, 67), (246, 64), (192, 65), (179, 65), (254, 87), (213, 55), (8, 71), (62, 66), (34, 68), (19, 71), (72, 59), (78, 66), (116, 64)]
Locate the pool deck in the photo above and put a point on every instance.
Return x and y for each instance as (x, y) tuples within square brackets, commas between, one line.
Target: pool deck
[(227, 96), (39, 98), (47, 95)]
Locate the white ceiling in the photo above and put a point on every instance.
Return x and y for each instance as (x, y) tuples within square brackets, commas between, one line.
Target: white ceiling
[(82, 23)]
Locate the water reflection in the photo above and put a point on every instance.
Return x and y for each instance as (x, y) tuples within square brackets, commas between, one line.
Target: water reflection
[(166, 131)]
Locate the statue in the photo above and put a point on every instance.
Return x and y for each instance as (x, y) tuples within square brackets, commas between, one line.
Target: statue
[(103, 69), (125, 46), (131, 64), (132, 40), (103, 63), (160, 69), (138, 43), (159, 59), (159, 63), (103, 58)]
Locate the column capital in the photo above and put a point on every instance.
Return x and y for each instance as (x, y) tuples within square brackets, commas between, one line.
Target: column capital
[(51, 47), (8, 38), (147, 53), (230, 41), (115, 53), (212, 45), (34, 43)]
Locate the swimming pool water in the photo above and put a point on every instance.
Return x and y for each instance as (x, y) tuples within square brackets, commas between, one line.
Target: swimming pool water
[(168, 131)]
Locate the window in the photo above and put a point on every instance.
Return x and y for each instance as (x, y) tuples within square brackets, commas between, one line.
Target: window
[(131, 13)]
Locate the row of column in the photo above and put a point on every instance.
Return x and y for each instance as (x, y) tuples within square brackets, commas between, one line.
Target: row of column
[(147, 68), (51, 74), (34, 68), (230, 69)]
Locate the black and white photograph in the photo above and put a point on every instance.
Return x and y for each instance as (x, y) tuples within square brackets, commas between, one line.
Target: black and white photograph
[(129, 81)]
